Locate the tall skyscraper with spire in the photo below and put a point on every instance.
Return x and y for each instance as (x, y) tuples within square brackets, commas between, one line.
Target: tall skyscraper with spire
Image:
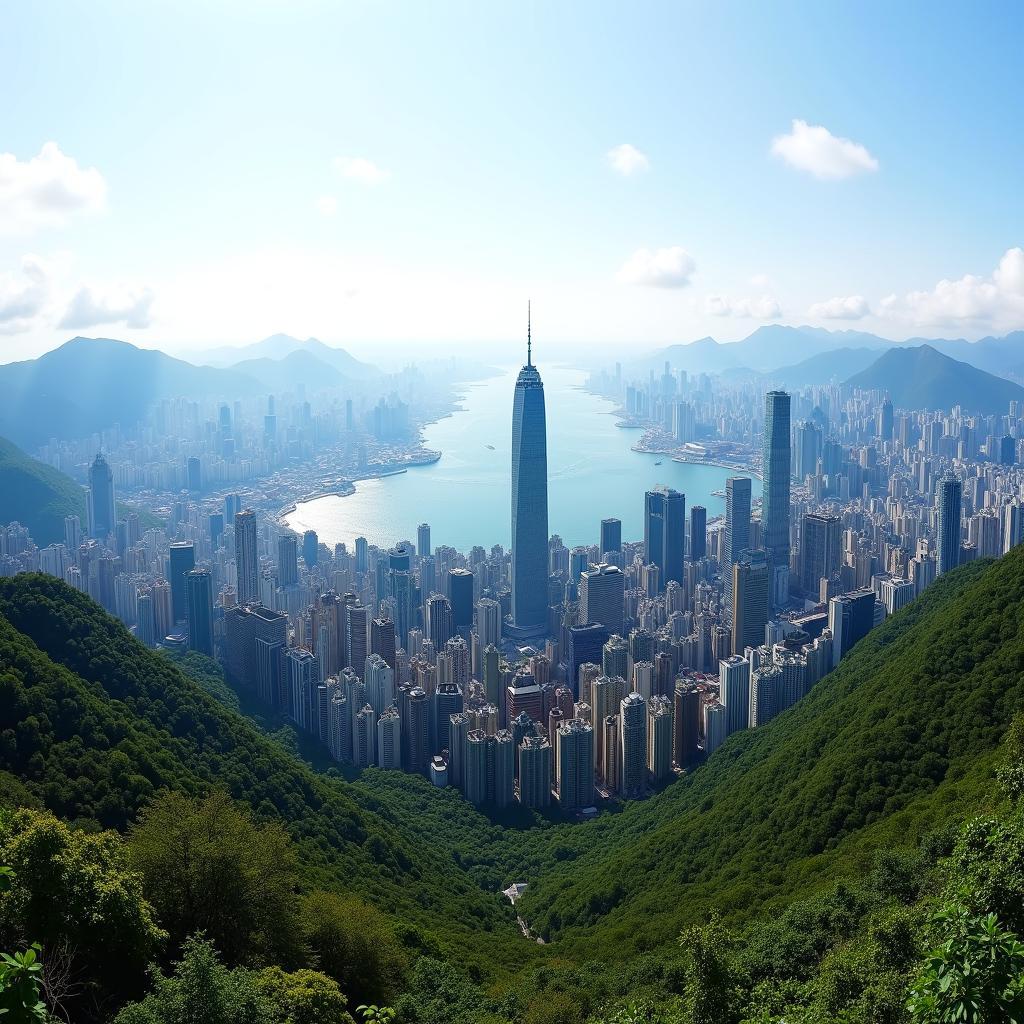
[(775, 498), (529, 500)]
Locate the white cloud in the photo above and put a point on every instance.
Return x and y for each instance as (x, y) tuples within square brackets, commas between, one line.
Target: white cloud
[(671, 267), (813, 148), (996, 301), (327, 205), (762, 307), (23, 296), (47, 190), (627, 159), (1009, 275), (850, 307), (358, 168), (92, 307)]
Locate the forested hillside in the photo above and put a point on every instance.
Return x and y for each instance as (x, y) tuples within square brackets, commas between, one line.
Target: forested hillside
[(794, 841), (892, 744)]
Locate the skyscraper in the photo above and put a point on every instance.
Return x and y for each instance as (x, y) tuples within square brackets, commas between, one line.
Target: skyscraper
[(734, 690), (819, 549), (775, 503), (529, 501), (633, 744), (199, 602), (611, 535), (247, 557), (287, 559), (737, 528), (460, 593), (423, 540), (535, 771), (698, 532), (182, 560), (488, 622), (310, 548), (665, 532), (750, 576), (601, 596), (101, 506), (948, 525), (440, 626), (850, 618), (575, 760)]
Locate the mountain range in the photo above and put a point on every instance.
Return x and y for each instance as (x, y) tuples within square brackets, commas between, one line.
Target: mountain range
[(278, 347), (924, 378), (88, 385), (773, 348)]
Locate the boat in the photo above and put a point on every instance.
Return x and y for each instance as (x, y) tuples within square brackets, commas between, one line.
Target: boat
[(489, 447), (659, 462)]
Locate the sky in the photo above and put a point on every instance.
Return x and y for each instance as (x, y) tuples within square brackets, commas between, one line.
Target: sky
[(402, 177)]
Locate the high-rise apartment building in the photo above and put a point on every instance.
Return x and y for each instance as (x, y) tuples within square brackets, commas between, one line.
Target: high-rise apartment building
[(575, 765), (602, 594), (199, 603), (950, 494), (247, 557), (750, 583), (611, 536), (775, 510), (633, 744)]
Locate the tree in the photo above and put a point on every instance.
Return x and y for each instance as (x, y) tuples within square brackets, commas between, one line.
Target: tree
[(201, 990), (75, 894), (976, 975), (207, 867), (303, 997), (710, 993), (354, 944)]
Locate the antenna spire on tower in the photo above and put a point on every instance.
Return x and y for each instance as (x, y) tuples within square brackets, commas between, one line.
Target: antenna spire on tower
[(529, 339)]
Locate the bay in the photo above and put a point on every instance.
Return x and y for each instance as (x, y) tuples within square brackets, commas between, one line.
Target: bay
[(466, 495)]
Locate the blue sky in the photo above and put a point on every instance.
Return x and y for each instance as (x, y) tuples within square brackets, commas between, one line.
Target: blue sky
[(406, 174)]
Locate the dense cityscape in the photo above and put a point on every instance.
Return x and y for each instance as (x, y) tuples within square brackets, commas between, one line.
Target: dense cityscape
[(544, 674), (511, 514)]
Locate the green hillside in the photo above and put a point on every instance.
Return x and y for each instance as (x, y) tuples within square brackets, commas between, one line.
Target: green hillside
[(896, 742), (37, 495), (921, 377), (783, 832), (94, 724)]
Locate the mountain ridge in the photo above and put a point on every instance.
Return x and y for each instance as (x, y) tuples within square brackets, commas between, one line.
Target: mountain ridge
[(922, 377)]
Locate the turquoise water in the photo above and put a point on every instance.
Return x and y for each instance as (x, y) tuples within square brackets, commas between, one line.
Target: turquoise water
[(466, 496)]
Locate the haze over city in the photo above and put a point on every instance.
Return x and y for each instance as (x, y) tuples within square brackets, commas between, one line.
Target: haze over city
[(511, 514)]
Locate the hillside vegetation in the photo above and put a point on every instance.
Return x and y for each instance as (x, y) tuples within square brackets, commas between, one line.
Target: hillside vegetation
[(37, 495), (819, 840), (898, 741)]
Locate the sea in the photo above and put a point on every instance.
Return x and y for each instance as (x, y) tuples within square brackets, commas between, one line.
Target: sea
[(593, 474)]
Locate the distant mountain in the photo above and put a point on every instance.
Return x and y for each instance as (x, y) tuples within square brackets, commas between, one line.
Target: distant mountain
[(923, 378), (767, 349), (282, 346), (299, 367), (825, 367), (1002, 356), (775, 347), (37, 495), (89, 384)]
